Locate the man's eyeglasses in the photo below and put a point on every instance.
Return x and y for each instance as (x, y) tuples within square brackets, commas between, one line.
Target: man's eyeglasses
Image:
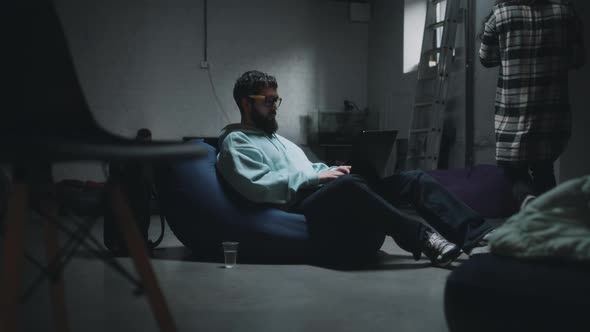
[(269, 101)]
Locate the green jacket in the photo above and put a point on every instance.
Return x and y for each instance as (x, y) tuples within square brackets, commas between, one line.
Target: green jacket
[(554, 225)]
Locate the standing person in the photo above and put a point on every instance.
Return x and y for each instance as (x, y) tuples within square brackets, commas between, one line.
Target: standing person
[(535, 43), (266, 168)]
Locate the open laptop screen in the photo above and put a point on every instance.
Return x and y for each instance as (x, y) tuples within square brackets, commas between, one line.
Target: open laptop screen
[(371, 151)]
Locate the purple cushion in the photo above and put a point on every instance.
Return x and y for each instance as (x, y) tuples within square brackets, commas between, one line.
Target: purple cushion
[(482, 187)]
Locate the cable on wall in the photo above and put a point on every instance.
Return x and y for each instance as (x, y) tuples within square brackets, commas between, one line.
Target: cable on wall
[(205, 63), (218, 101), (206, 34)]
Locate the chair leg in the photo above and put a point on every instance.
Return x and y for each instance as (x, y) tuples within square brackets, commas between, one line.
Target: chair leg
[(48, 207), (14, 256), (138, 252)]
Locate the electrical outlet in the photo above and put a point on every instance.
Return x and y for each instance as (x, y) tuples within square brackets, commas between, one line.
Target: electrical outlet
[(204, 64)]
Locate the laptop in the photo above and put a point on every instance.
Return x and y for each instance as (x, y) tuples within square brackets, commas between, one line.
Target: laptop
[(371, 150)]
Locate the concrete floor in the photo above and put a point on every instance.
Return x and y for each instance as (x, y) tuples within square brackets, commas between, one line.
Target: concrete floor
[(398, 294)]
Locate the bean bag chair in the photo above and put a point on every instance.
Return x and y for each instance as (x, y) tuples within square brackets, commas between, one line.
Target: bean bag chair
[(202, 211), (493, 293)]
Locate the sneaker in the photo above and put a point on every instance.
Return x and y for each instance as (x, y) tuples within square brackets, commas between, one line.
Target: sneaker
[(485, 240), (483, 246), (526, 201), (440, 251), (484, 249)]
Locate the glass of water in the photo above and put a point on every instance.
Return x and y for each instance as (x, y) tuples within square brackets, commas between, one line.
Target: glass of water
[(230, 253)]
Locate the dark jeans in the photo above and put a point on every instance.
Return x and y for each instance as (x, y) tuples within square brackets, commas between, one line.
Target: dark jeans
[(351, 199), (530, 179)]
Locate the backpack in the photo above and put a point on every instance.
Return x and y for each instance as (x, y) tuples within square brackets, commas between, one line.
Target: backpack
[(136, 182)]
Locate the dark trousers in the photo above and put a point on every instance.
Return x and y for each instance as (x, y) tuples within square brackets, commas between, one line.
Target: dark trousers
[(351, 199), (534, 178)]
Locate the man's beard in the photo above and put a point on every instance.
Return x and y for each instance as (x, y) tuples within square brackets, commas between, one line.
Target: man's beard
[(267, 123)]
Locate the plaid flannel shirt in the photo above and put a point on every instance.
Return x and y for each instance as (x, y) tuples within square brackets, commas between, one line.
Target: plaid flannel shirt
[(534, 46)]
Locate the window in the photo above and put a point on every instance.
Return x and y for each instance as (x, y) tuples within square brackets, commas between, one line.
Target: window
[(414, 19)]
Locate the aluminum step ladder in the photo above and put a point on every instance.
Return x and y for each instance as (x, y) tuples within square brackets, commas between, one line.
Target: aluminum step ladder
[(438, 49)]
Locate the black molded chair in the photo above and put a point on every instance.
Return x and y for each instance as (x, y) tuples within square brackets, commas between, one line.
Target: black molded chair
[(45, 119)]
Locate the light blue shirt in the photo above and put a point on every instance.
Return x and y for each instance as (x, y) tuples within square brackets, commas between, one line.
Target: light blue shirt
[(265, 169)]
